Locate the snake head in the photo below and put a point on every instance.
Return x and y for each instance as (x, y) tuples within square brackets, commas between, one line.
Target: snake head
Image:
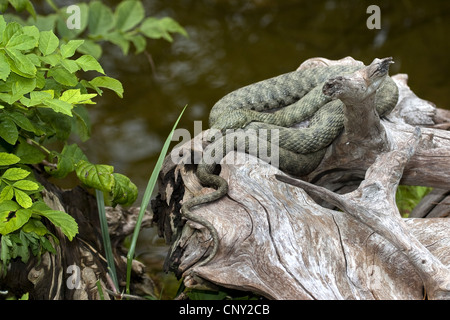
[(236, 119)]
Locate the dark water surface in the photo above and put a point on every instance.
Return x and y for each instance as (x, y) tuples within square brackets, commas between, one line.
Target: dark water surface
[(235, 43)]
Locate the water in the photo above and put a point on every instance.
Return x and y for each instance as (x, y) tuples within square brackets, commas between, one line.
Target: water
[(234, 43)]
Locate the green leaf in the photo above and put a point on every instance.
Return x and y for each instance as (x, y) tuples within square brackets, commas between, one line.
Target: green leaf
[(48, 42), (4, 252), (21, 5), (7, 159), (98, 176), (70, 65), (109, 83), (26, 185), (151, 27), (59, 106), (8, 131), (5, 70), (65, 222), (38, 97), (139, 42), (22, 250), (67, 159), (73, 96), (51, 59), (161, 28), (44, 23), (124, 192), (128, 14), (2, 26), (68, 49), (88, 63), (33, 31), (47, 245), (21, 121), (12, 217), (6, 97), (34, 58), (7, 193), (27, 153), (117, 38), (81, 124), (11, 29), (36, 226), (21, 65), (25, 296), (101, 18), (23, 199), (21, 42), (63, 76), (15, 174), (56, 123), (171, 25), (21, 85), (91, 48)]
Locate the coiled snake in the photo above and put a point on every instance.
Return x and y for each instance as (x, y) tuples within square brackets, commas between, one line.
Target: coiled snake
[(297, 96)]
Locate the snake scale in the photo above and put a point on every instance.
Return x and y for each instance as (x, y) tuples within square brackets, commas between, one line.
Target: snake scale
[(279, 103)]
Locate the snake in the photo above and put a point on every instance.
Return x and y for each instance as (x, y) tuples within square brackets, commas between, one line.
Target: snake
[(278, 103)]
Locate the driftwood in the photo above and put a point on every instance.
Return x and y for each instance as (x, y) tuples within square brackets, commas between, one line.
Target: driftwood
[(288, 239)]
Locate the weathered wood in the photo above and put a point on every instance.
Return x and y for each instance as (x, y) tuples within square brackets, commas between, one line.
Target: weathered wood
[(436, 204), (276, 240), (373, 204)]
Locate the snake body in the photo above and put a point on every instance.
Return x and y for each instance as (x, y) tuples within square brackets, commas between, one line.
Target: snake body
[(279, 103)]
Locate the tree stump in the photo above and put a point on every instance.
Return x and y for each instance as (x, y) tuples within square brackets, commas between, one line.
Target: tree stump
[(335, 233)]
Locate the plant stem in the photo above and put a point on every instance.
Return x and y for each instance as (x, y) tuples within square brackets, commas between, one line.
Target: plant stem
[(37, 144)]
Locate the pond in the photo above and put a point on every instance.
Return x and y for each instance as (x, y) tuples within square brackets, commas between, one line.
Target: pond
[(233, 43)]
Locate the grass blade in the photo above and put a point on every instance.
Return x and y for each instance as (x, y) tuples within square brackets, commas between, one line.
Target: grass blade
[(146, 199), (100, 290), (105, 236)]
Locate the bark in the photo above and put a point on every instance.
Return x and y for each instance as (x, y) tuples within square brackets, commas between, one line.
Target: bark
[(290, 240), (56, 277)]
